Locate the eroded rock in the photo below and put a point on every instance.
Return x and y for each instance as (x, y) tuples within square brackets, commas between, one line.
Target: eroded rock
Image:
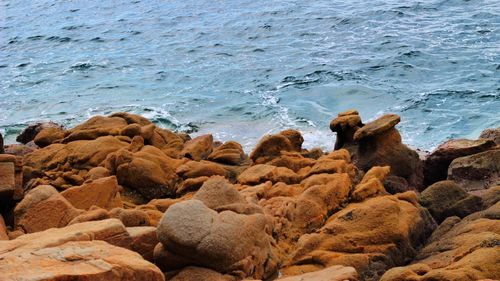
[(227, 242)]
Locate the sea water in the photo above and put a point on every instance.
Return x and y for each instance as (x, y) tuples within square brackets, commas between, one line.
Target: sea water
[(240, 69)]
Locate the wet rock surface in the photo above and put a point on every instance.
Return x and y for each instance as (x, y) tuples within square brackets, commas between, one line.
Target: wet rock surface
[(118, 198)]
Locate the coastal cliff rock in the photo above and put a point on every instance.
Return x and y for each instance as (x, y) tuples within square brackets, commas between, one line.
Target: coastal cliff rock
[(119, 191), (378, 143), (492, 134), (371, 236), (87, 251), (30, 132), (436, 164), (446, 199), (227, 242), (43, 208), (477, 171), (466, 249)]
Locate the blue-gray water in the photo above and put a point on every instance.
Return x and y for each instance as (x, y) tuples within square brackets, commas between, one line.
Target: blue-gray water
[(240, 69)]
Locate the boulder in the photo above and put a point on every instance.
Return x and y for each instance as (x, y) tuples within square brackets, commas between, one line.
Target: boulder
[(492, 134), (43, 208), (445, 199), (226, 242), (7, 178), (229, 153), (332, 273), (130, 217), (270, 147), (94, 128), (198, 148), (77, 260), (370, 236), (18, 149), (48, 164), (295, 138), (372, 184), (48, 136), (327, 165), (144, 240), (464, 249), (345, 125), (30, 132), (294, 215), (11, 178), (477, 171), (111, 231), (192, 273), (148, 171), (263, 172), (491, 196), (93, 214), (219, 195), (103, 192), (167, 141), (436, 164), (195, 169), (377, 127), (293, 161), (379, 144)]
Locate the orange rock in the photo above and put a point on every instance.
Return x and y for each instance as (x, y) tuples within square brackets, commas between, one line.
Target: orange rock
[(111, 230), (219, 195), (95, 127), (191, 184), (292, 160), (464, 249), (43, 208), (370, 236), (332, 273), (379, 144), (269, 147), (169, 142), (295, 138), (144, 240), (345, 125), (263, 172), (331, 166), (148, 171), (100, 192), (163, 204), (7, 177), (79, 155), (230, 153), (198, 148), (371, 184), (194, 169), (93, 214), (78, 260), (227, 242), (97, 173), (192, 273), (48, 136), (30, 132), (130, 217)]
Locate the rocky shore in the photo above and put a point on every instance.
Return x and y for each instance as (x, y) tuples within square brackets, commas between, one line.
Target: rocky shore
[(118, 198)]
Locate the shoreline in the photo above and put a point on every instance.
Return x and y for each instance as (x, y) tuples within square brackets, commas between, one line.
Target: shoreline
[(183, 208)]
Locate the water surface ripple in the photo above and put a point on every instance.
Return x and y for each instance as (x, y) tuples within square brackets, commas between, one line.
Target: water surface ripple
[(241, 68)]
